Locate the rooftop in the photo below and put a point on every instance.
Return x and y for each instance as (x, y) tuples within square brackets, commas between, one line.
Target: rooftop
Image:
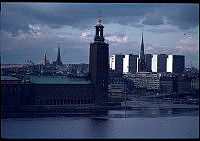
[(4, 78), (57, 80)]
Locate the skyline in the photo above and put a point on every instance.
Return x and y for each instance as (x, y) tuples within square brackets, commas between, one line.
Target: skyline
[(42, 27)]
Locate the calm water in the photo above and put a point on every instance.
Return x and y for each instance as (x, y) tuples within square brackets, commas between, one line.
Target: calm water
[(148, 122)]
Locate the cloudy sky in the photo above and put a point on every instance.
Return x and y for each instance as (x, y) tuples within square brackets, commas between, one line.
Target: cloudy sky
[(28, 30)]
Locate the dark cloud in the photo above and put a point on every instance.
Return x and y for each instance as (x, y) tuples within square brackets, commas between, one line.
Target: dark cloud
[(124, 48), (22, 45), (16, 16), (153, 19), (183, 16)]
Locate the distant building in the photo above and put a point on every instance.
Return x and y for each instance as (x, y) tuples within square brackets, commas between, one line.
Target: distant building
[(183, 84), (167, 84), (58, 60), (130, 63), (45, 61), (175, 63), (145, 80), (82, 69), (117, 91), (164, 83), (10, 66), (117, 63), (148, 60), (141, 60), (159, 63), (29, 63), (195, 83), (117, 88), (110, 63)]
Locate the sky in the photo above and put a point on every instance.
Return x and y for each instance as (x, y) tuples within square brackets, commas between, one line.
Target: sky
[(28, 30)]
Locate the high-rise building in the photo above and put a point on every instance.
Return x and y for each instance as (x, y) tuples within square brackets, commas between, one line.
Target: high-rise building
[(175, 63), (141, 60), (117, 63), (98, 64), (159, 63), (130, 63), (110, 62), (58, 60), (148, 60)]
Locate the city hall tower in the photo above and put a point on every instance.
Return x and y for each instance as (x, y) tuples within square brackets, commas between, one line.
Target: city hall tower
[(98, 64)]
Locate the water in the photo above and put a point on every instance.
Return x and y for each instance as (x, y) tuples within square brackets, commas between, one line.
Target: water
[(140, 122)]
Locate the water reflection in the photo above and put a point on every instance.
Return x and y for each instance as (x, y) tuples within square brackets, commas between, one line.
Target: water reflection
[(152, 122), (99, 126), (153, 112)]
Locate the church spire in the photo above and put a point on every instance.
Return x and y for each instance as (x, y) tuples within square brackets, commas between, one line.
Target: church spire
[(142, 48), (45, 58), (142, 62), (58, 55), (58, 61)]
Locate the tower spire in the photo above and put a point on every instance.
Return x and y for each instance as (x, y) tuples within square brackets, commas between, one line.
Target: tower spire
[(58, 55), (45, 58), (142, 62), (142, 35), (58, 61), (142, 47)]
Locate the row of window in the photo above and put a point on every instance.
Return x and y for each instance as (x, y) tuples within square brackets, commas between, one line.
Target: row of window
[(68, 101), (10, 90)]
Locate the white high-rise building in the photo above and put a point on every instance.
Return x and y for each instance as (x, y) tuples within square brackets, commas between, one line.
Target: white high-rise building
[(154, 64), (159, 63), (138, 63), (175, 63), (170, 63), (130, 63), (110, 62), (126, 64), (116, 63)]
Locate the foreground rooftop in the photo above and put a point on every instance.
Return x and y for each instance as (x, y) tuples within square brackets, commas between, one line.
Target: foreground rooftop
[(57, 80), (8, 78)]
